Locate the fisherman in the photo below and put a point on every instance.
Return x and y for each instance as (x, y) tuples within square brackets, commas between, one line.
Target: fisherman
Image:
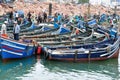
[(33, 17), (44, 17), (55, 18), (39, 18), (59, 17), (4, 29), (29, 17), (16, 31), (11, 15)]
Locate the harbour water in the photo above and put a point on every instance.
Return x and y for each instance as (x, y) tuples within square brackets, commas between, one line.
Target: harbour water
[(36, 68)]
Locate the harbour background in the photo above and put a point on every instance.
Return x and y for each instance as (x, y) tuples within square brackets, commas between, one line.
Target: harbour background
[(36, 68)]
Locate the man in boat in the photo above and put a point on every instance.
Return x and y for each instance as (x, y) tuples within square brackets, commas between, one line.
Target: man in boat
[(16, 31), (4, 29)]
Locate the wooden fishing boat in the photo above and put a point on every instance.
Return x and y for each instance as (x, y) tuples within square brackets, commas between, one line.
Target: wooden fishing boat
[(22, 27), (62, 33), (90, 52), (69, 42), (53, 34), (31, 28), (45, 29), (88, 37), (11, 49)]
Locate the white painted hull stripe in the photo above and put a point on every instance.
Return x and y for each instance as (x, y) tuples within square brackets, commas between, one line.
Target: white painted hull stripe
[(15, 42), (19, 54), (13, 46)]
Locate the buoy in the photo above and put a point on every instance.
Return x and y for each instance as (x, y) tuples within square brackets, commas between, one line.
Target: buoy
[(4, 35), (39, 49)]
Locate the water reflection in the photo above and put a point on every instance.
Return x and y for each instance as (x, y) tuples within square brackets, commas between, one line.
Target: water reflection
[(12, 69), (107, 69), (36, 68)]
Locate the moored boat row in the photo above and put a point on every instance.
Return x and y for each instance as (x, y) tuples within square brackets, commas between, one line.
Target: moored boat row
[(59, 42), (87, 52)]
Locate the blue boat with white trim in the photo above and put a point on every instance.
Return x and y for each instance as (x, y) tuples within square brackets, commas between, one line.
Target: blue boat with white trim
[(11, 49), (90, 52)]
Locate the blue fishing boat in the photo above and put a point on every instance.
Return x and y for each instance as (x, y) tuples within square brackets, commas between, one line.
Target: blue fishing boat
[(46, 28), (90, 52), (11, 49)]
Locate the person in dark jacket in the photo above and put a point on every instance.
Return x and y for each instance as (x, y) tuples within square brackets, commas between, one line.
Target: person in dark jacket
[(29, 17), (44, 17)]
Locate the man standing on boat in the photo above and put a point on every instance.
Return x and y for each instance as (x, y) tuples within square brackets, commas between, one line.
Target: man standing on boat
[(16, 31), (4, 29)]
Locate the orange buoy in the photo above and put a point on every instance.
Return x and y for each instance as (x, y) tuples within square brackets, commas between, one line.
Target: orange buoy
[(4, 35), (77, 31), (39, 50)]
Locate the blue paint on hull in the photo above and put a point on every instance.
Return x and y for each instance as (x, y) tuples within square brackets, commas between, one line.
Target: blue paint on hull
[(11, 49)]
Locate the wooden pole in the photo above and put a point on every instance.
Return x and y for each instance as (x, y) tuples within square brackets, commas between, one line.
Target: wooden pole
[(88, 10), (75, 56), (115, 11), (50, 9)]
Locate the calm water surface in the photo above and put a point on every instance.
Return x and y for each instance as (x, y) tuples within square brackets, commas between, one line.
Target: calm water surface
[(35, 68)]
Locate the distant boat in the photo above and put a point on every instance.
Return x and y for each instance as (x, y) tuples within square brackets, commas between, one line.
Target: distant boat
[(11, 49)]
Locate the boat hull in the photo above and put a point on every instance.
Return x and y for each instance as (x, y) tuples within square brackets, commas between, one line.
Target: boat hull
[(12, 49), (72, 58), (102, 51)]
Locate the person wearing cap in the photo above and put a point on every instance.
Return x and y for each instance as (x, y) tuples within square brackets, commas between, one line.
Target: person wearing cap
[(4, 29), (16, 31)]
